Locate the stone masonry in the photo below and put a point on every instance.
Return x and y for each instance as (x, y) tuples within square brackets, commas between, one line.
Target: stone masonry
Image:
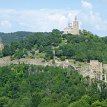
[(95, 70), (72, 29)]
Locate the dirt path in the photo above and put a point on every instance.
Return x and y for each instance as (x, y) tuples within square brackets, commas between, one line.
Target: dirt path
[(7, 61)]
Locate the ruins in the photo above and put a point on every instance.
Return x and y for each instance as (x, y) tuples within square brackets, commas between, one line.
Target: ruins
[(95, 70)]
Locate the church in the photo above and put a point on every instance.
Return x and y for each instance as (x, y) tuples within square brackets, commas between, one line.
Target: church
[(73, 28)]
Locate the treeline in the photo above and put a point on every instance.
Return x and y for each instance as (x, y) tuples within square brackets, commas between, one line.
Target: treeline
[(83, 47), (36, 86), (8, 38), (43, 42)]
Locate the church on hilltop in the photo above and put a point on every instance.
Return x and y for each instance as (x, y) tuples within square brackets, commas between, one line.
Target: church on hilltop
[(73, 28)]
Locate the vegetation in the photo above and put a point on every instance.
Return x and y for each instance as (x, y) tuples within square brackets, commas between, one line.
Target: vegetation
[(36, 86), (42, 42), (83, 47), (7, 38)]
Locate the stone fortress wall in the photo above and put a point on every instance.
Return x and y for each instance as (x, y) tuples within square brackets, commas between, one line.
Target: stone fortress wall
[(94, 69)]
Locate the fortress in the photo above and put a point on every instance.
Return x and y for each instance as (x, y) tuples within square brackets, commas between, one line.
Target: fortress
[(95, 70), (73, 28), (98, 70)]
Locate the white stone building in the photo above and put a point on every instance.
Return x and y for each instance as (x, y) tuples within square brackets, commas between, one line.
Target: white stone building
[(73, 28)]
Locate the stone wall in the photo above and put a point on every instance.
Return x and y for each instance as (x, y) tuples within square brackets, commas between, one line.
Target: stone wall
[(94, 70)]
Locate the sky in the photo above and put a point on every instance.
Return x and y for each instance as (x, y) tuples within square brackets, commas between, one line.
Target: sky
[(45, 15)]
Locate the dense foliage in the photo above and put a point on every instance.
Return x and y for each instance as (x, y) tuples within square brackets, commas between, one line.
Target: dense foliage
[(37, 86), (39, 41), (83, 47), (7, 38)]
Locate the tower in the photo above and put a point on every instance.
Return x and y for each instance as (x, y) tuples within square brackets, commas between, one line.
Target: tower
[(76, 26), (72, 29)]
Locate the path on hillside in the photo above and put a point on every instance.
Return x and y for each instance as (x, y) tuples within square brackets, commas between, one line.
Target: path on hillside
[(7, 61)]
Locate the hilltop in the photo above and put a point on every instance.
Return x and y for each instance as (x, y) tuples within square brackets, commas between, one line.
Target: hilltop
[(56, 45), (7, 38), (31, 79)]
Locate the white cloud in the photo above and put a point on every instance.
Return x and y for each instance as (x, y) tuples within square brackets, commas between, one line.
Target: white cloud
[(47, 19), (86, 4), (92, 20), (35, 20)]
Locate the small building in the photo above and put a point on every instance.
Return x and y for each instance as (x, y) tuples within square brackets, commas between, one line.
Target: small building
[(73, 28), (98, 70), (95, 70)]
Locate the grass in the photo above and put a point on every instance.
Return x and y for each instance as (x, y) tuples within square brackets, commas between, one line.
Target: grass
[(77, 63)]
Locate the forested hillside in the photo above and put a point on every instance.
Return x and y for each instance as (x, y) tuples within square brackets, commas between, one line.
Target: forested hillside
[(83, 47), (36, 86), (7, 38)]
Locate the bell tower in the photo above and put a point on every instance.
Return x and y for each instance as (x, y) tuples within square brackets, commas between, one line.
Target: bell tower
[(72, 28), (76, 25)]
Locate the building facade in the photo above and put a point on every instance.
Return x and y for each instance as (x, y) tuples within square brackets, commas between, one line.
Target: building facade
[(98, 70), (73, 28), (95, 70)]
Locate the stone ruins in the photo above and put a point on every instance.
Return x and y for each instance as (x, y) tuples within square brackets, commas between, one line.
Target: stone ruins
[(98, 70), (95, 70)]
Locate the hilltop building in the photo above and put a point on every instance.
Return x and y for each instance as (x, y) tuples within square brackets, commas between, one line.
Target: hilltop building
[(73, 28)]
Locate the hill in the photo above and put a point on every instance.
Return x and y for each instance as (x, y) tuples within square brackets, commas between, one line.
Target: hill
[(50, 86), (37, 86), (83, 47), (8, 38)]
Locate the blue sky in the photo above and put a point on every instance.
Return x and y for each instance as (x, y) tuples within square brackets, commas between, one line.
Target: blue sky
[(45, 15), (38, 4)]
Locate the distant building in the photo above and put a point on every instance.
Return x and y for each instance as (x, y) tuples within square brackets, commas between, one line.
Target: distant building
[(73, 28), (95, 70), (98, 70)]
